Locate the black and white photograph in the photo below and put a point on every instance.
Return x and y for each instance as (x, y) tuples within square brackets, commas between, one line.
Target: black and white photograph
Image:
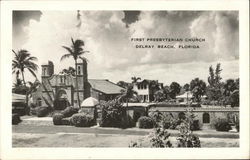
[(126, 79), (143, 78)]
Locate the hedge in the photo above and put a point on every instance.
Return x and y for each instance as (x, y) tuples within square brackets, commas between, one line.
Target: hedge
[(82, 120), (57, 119), (69, 111), (15, 119), (42, 111), (145, 122), (222, 125)]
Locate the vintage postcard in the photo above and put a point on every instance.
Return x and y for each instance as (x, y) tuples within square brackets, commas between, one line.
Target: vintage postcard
[(107, 79)]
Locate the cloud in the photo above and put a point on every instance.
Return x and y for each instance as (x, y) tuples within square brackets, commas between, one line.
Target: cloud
[(112, 54)]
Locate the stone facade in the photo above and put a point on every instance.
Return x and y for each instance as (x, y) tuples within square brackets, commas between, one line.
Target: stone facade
[(207, 115), (61, 89)]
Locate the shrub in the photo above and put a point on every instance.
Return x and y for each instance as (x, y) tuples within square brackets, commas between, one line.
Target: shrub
[(114, 115), (222, 125), (57, 119), (195, 125), (160, 138), (82, 120), (191, 141), (145, 122), (42, 111), (66, 121), (69, 111), (15, 119)]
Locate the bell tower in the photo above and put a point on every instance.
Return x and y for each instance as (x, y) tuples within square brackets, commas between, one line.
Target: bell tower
[(82, 77), (47, 69)]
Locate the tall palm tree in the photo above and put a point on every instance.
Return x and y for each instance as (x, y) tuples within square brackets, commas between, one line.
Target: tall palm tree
[(23, 60), (76, 51)]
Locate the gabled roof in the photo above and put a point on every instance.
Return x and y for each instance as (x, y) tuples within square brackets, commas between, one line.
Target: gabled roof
[(105, 86)]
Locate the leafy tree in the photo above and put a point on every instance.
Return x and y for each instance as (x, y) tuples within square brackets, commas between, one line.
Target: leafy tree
[(76, 51), (217, 74), (175, 89), (23, 60), (159, 95), (229, 87), (235, 98), (154, 86), (198, 88), (186, 87), (214, 90)]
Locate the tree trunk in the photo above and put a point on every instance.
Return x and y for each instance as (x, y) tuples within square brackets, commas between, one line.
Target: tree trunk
[(78, 98), (23, 79)]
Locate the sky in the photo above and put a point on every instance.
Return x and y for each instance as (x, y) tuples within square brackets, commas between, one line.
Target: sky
[(107, 35)]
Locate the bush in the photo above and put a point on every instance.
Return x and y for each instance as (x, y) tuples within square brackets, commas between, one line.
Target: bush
[(195, 125), (82, 120), (69, 111), (170, 123), (145, 122), (160, 138), (15, 119), (114, 114), (66, 121), (57, 119), (222, 125), (42, 111)]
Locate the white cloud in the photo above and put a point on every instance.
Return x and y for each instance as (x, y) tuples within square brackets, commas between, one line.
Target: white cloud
[(113, 56)]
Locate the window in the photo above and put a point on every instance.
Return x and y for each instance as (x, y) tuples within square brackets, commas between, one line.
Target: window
[(206, 118), (62, 79), (79, 70), (44, 71)]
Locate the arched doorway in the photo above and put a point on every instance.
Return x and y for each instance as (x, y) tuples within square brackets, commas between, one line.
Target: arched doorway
[(206, 118), (39, 102), (61, 101)]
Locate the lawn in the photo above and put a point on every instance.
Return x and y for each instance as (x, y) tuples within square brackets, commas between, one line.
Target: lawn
[(37, 133), (102, 140), (68, 136)]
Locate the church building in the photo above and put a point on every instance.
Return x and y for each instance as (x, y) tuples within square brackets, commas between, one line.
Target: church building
[(61, 89)]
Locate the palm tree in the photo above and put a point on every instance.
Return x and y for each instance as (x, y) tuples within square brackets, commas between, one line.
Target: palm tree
[(135, 79), (127, 94), (23, 60), (76, 51)]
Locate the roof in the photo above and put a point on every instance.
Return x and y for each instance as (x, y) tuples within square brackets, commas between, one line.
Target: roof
[(105, 86), (18, 98), (89, 102)]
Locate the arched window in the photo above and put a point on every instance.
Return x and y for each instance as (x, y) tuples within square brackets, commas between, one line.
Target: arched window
[(206, 118), (79, 70), (39, 102)]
